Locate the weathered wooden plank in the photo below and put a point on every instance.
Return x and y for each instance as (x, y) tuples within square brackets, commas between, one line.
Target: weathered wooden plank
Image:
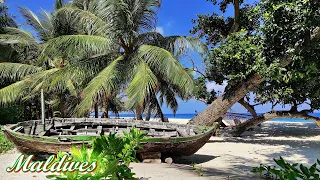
[(182, 132), (33, 128), (18, 129), (99, 130)]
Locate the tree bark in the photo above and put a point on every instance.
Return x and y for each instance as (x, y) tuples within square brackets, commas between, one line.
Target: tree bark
[(236, 5), (139, 113), (243, 127), (62, 105), (249, 107), (105, 113), (96, 110), (148, 115), (221, 105)]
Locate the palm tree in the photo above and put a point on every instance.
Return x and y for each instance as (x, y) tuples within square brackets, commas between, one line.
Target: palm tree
[(120, 37)]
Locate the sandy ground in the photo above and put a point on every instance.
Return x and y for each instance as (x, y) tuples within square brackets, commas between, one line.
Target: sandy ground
[(223, 156)]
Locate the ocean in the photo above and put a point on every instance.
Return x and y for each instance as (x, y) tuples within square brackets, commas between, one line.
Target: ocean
[(190, 116)]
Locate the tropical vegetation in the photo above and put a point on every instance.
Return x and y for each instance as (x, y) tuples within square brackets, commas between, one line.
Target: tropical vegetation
[(89, 53), (268, 52), (113, 155), (5, 144), (288, 171)]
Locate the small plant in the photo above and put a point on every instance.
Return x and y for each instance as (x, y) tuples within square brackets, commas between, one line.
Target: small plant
[(5, 144), (112, 153), (198, 170), (287, 171)]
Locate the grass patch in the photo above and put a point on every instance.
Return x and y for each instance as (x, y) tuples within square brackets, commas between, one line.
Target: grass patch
[(5, 144)]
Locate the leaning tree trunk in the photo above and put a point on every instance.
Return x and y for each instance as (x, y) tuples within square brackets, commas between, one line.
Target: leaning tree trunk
[(293, 113), (221, 105), (249, 107)]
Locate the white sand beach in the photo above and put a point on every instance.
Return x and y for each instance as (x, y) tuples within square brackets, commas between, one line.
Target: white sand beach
[(223, 156)]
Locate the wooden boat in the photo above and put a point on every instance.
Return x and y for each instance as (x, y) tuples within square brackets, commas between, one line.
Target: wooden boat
[(60, 134)]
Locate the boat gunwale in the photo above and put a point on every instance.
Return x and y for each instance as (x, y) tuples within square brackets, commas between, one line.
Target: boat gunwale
[(53, 140)]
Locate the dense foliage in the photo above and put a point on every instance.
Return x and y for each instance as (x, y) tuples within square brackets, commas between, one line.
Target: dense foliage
[(288, 171), (11, 114), (95, 51), (276, 39), (112, 153)]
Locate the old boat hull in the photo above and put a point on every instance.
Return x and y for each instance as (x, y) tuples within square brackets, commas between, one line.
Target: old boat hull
[(169, 146)]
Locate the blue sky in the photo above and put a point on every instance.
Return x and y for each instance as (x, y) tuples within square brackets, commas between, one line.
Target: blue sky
[(174, 18)]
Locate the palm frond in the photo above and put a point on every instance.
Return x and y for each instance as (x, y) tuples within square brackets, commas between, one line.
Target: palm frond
[(117, 13), (6, 39), (84, 21), (14, 92), (143, 84), (178, 45), (150, 38), (19, 33), (46, 19), (72, 46), (106, 82), (35, 23), (168, 96), (163, 62), (155, 106), (16, 71), (144, 14), (58, 4), (5, 19)]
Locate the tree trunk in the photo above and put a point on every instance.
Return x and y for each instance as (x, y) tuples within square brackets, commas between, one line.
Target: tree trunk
[(139, 113), (148, 115), (236, 6), (243, 127), (249, 107), (105, 113), (221, 105), (96, 110)]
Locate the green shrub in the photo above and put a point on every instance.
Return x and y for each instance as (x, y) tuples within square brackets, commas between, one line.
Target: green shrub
[(5, 144), (112, 153), (11, 114), (287, 171)]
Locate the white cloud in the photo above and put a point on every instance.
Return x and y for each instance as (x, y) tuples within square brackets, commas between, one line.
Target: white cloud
[(160, 30), (216, 87)]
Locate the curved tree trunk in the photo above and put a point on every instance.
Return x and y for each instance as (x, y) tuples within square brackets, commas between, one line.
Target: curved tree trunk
[(221, 105), (243, 127)]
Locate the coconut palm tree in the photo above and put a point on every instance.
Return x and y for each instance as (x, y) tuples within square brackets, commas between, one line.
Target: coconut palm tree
[(120, 37)]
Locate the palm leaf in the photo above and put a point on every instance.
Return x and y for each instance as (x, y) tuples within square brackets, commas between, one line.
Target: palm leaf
[(72, 46), (14, 92), (143, 84), (106, 82), (16, 71), (178, 45), (83, 20), (35, 23), (162, 62)]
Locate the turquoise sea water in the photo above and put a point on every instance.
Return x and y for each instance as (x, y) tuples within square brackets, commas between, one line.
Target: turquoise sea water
[(190, 116)]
